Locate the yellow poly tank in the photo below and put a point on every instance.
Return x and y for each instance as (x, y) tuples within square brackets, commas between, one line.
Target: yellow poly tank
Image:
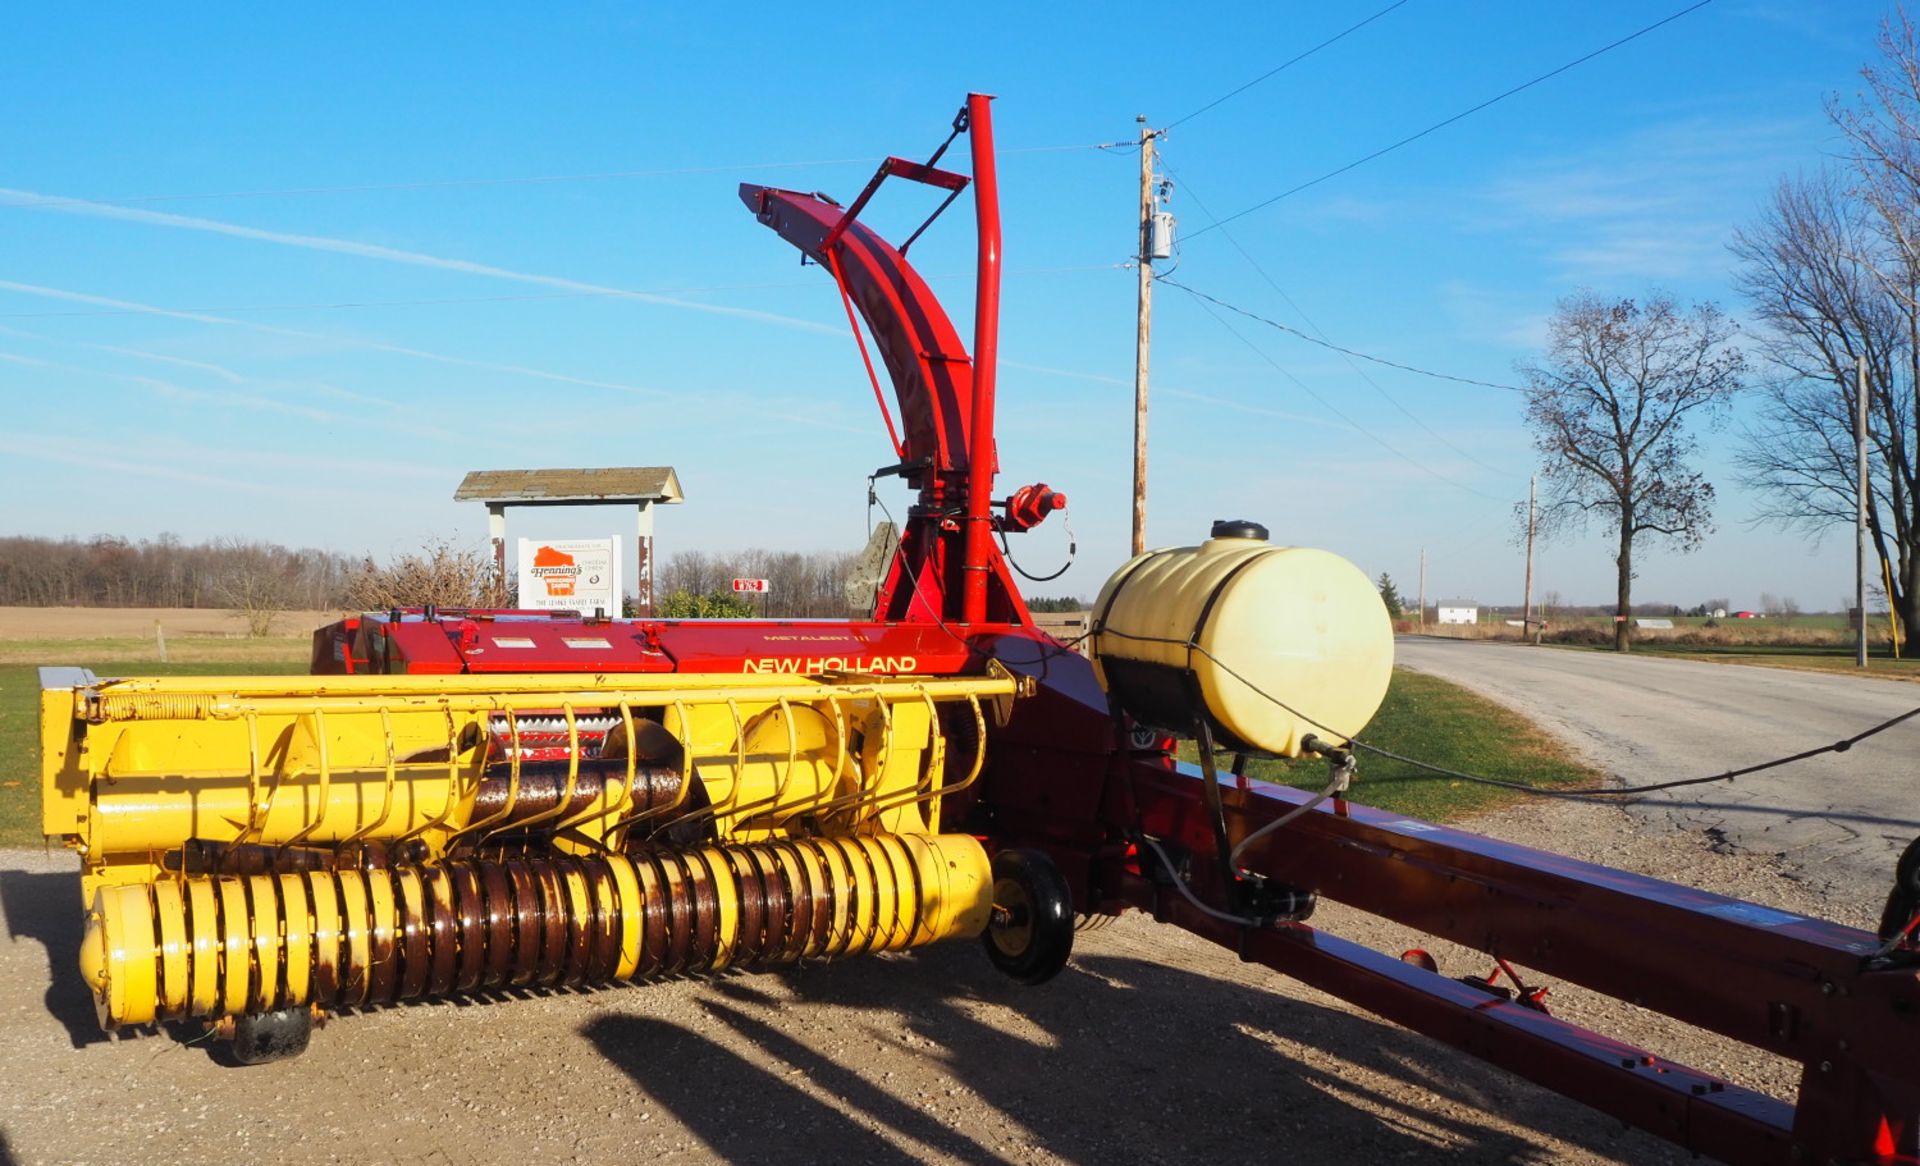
[(1217, 630)]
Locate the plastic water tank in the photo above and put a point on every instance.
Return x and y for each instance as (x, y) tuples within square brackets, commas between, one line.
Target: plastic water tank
[(1268, 644)]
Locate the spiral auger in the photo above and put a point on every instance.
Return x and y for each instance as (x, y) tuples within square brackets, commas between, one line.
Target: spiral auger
[(320, 845)]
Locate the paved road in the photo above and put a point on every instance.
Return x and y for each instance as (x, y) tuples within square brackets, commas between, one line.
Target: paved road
[(1840, 817)]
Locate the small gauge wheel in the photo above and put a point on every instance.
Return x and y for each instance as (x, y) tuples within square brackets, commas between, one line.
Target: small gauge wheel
[(1031, 933), (260, 1037)]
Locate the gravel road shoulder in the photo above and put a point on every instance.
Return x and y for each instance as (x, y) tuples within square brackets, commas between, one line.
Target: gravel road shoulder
[(1152, 1047)]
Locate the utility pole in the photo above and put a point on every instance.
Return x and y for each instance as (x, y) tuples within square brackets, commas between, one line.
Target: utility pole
[(1526, 611), (1860, 510), (1423, 589), (1143, 328)]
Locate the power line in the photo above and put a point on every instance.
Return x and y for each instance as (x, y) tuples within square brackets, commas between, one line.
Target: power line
[(1286, 64), (1439, 125), (1330, 407), (1321, 333), (516, 180), (1292, 331)]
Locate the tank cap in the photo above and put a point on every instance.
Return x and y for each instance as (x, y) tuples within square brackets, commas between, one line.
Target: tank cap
[(1238, 528)]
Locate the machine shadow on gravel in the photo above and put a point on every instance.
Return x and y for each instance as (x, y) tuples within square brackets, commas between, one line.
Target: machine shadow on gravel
[(40, 907), (1139, 1061)]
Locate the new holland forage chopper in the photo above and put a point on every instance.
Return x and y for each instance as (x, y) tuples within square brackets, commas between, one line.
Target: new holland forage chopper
[(462, 801)]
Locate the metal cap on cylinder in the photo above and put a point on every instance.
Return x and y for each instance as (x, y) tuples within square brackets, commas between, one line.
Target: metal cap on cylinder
[(1263, 644)]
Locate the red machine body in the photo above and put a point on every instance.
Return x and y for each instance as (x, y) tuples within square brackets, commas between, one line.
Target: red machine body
[(1064, 776)]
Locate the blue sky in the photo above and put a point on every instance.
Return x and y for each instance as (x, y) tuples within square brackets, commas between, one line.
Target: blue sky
[(286, 275)]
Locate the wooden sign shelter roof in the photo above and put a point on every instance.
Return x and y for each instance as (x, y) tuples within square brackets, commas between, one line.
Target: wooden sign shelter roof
[(611, 485)]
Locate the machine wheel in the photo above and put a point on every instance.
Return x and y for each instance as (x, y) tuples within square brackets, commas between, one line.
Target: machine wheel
[(1031, 934), (272, 1036), (1904, 899)]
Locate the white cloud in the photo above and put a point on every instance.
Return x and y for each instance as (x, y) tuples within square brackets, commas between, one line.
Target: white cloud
[(1658, 203)]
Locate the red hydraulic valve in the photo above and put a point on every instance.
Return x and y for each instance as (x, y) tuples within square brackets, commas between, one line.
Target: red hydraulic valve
[(1030, 506)]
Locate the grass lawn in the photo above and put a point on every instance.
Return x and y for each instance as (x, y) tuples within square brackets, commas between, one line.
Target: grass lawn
[(1446, 725), (140, 656), (1805, 657), (20, 723), (1879, 668)]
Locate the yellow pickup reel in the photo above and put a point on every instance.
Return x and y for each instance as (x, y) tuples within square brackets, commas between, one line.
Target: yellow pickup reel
[(255, 850)]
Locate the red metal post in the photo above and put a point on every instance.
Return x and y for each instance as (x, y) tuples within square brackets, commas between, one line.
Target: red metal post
[(986, 346)]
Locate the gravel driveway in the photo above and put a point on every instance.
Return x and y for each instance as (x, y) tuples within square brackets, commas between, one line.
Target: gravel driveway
[(1842, 818), (1151, 1047)]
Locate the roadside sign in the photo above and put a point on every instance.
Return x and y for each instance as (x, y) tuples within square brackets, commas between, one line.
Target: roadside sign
[(581, 574), (759, 585)]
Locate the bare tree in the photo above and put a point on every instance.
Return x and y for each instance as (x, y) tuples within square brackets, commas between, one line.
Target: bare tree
[(811, 584), (258, 581), (1609, 406), (438, 575), (1832, 270)]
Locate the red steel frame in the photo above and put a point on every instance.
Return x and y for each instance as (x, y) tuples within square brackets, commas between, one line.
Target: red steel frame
[(1791, 985), (1062, 776)]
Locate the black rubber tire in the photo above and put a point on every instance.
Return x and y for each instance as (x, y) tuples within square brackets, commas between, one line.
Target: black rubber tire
[(1035, 937), (261, 1037), (1904, 899)]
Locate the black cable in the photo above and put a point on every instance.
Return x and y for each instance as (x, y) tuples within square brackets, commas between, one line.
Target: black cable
[(1073, 550), (1006, 552), (913, 582), (1328, 344), (1286, 64), (1840, 746), (1439, 125)]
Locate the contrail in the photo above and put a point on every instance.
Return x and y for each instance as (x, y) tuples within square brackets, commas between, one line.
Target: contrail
[(382, 346), (219, 370), (323, 479), (275, 330), (102, 210), (43, 447), (173, 392)]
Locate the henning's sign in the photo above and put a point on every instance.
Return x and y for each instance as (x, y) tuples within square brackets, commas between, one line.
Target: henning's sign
[(580, 574)]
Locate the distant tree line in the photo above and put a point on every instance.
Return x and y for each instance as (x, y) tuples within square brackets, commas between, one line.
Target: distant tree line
[(819, 584), (263, 577), (798, 583), (109, 571), (1779, 606)]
